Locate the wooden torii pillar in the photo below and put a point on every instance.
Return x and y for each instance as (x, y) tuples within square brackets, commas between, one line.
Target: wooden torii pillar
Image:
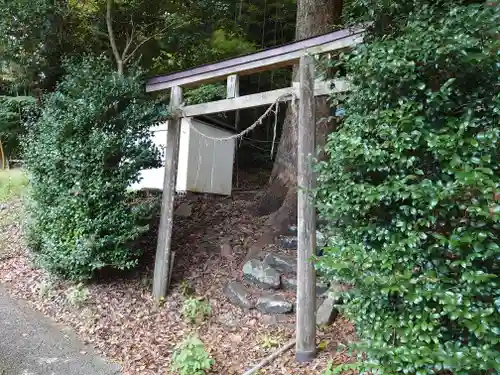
[(164, 257), (299, 52), (306, 216)]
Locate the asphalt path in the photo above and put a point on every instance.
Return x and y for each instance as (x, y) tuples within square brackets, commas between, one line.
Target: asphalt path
[(31, 344)]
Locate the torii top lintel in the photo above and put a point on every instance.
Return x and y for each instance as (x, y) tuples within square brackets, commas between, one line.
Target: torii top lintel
[(280, 56)]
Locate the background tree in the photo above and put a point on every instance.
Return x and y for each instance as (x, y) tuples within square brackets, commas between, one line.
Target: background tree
[(314, 17), (36, 36), (157, 36), (14, 110)]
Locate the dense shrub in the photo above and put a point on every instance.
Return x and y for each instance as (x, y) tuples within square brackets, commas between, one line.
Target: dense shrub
[(88, 146), (411, 192)]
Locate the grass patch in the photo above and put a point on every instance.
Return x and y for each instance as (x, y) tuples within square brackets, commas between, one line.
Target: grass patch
[(12, 184)]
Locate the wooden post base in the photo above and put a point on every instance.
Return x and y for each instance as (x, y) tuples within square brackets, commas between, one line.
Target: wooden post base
[(305, 357)]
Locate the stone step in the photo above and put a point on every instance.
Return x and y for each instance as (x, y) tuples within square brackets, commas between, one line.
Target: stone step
[(266, 303), (280, 262), (292, 229), (287, 242), (290, 241), (276, 271), (238, 295), (290, 283), (327, 312), (275, 304), (272, 273), (291, 244), (261, 274)]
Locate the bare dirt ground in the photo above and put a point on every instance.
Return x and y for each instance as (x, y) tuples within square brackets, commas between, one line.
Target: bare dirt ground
[(121, 321)]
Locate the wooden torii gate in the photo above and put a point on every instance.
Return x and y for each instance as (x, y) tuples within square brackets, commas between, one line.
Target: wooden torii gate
[(305, 90)]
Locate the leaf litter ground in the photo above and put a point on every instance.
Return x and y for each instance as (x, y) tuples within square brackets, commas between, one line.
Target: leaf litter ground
[(121, 321)]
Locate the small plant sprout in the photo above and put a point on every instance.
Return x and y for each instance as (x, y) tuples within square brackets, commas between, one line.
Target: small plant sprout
[(196, 309), (186, 288), (77, 295), (44, 288), (329, 368), (332, 369), (269, 342), (191, 358)]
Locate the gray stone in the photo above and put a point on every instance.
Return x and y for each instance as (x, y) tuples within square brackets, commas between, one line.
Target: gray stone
[(290, 283), (327, 312), (320, 239), (261, 274), (267, 259), (335, 291), (237, 294), (337, 287), (319, 302), (184, 210), (288, 242), (292, 229), (272, 304), (321, 287), (283, 263)]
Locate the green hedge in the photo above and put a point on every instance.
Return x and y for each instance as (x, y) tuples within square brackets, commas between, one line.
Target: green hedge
[(409, 191), (82, 154)]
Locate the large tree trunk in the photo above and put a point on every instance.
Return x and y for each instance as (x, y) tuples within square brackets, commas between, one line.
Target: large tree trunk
[(314, 17)]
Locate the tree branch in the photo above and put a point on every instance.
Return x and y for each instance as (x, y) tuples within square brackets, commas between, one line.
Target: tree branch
[(127, 58), (124, 57), (130, 39), (111, 35)]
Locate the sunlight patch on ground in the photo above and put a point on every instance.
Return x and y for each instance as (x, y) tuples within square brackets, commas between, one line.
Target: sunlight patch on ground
[(12, 184)]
